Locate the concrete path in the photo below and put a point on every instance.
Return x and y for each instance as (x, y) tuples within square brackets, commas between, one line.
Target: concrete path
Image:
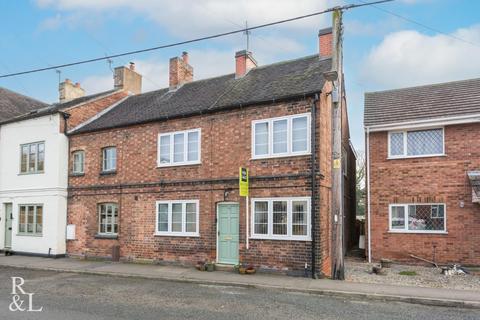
[(427, 296)]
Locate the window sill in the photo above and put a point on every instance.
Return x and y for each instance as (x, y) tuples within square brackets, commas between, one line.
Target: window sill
[(108, 173), (184, 235), (418, 231), (29, 173), (29, 235), (281, 238), (180, 164), (106, 236), (415, 157), (290, 155), (77, 174)]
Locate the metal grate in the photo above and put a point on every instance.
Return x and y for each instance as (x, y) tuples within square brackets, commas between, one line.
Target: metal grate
[(426, 217)]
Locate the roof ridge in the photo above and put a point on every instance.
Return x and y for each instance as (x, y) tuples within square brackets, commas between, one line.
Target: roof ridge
[(23, 95), (423, 86)]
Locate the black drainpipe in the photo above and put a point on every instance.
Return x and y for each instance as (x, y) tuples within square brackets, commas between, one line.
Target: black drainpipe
[(313, 173)]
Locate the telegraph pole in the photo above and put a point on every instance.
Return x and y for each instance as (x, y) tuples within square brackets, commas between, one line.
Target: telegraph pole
[(338, 270)]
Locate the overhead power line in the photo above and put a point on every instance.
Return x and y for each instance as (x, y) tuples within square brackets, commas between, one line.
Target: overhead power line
[(218, 35), (420, 24)]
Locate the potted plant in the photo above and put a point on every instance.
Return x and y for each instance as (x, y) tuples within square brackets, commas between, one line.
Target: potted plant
[(210, 266), (250, 270), (242, 268), (201, 265)]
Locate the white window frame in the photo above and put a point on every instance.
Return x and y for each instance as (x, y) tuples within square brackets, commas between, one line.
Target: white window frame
[(185, 148), (182, 233), (36, 157), (289, 152), (34, 233), (288, 236), (405, 132), (74, 153), (104, 159), (115, 220), (406, 230)]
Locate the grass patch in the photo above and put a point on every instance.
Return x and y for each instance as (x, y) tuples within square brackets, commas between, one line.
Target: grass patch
[(407, 273)]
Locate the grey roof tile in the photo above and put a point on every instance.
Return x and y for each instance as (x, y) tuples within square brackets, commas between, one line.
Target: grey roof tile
[(423, 102), (13, 104), (271, 82)]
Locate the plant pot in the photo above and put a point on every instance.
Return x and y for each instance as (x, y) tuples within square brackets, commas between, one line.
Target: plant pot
[(210, 267), (250, 271), (386, 263), (242, 270)]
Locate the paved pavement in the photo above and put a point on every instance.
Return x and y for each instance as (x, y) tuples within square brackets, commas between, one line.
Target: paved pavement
[(74, 296), (426, 296)]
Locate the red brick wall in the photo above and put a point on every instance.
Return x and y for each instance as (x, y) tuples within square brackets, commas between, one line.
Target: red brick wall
[(225, 146), (434, 179)]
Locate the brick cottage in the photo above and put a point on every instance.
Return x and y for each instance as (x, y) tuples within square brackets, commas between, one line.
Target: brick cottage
[(159, 176), (423, 157)]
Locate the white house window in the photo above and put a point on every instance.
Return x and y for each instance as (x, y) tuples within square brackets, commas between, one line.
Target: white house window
[(32, 157), (283, 136), (108, 219), (179, 148), (426, 218), (109, 159), (30, 220), (281, 218), (78, 162), (416, 143), (177, 218)]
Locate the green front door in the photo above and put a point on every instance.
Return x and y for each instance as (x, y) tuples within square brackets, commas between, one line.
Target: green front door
[(8, 225), (227, 233)]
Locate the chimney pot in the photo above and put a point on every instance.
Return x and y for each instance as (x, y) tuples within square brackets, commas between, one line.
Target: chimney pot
[(77, 84), (132, 66), (185, 56), (325, 42), (244, 62)]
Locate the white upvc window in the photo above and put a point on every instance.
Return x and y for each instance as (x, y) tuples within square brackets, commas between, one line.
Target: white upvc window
[(32, 157), (418, 218), (78, 166), (416, 143), (109, 159), (179, 148), (281, 218), (177, 218), (281, 137), (30, 219)]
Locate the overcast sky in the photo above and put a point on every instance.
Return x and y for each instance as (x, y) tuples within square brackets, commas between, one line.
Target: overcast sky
[(382, 51)]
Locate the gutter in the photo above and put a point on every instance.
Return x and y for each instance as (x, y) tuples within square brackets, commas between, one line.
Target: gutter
[(313, 172), (368, 196)]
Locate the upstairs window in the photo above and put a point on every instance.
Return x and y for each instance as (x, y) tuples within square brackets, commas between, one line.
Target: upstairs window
[(32, 157), (78, 162), (179, 148), (284, 136), (418, 143), (422, 218), (109, 159)]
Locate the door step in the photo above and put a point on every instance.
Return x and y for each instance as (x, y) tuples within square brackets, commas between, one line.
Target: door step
[(224, 267)]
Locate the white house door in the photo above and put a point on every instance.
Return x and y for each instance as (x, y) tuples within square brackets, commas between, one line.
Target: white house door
[(8, 225)]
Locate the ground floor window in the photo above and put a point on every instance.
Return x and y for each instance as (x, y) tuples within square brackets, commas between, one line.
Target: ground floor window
[(30, 220), (177, 218), (417, 217), (108, 219), (281, 218)]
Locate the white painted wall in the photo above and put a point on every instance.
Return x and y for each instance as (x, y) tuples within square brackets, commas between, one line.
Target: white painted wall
[(48, 188)]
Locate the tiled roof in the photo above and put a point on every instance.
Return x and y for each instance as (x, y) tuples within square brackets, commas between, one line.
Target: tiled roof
[(268, 83), (434, 101), (13, 104), (56, 107)]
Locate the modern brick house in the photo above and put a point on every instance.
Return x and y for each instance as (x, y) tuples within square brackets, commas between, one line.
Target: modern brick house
[(422, 162), (160, 178)]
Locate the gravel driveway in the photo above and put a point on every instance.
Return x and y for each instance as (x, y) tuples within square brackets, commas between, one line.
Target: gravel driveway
[(357, 271)]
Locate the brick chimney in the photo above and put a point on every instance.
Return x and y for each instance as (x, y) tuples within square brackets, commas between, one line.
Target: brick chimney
[(244, 62), (126, 78), (325, 42), (180, 71), (68, 91)]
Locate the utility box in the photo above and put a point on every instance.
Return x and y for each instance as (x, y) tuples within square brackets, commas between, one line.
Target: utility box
[(70, 232)]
